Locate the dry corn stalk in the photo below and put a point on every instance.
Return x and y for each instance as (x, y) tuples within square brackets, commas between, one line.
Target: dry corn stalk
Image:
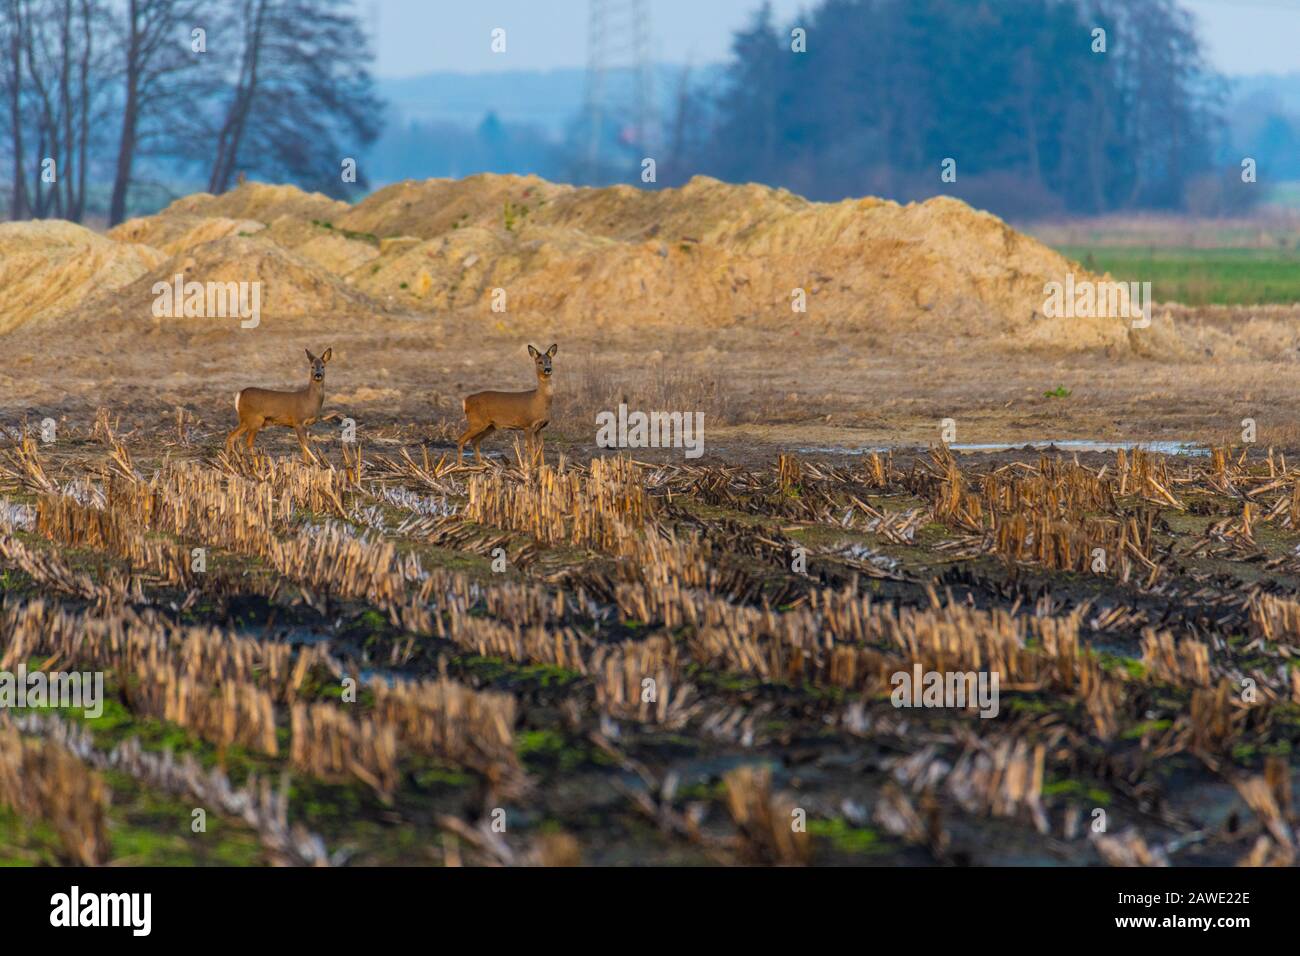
[(767, 823), (42, 780)]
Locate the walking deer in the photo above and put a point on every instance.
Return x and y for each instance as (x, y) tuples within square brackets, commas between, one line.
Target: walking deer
[(259, 407), (526, 411)]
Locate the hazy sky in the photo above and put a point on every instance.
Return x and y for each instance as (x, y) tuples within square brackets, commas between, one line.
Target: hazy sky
[(421, 36)]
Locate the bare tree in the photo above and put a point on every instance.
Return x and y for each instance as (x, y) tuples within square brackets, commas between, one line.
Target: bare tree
[(48, 91), (286, 92), (155, 58), (254, 18), (301, 97), (90, 13), (13, 23), (43, 72)]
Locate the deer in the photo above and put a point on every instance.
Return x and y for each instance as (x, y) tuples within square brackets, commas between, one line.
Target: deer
[(259, 407), (526, 411)]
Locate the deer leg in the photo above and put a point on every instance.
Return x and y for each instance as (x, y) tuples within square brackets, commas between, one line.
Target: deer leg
[(465, 436), (251, 434), (478, 455), (530, 443), (302, 440), (230, 439)]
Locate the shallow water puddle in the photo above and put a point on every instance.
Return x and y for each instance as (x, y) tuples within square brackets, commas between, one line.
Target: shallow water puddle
[(1193, 449)]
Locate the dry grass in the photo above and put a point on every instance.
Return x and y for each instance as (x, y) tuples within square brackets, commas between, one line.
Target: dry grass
[(331, 744), (465, 727), (256, 803), (594, 510), (41, 780), (766, 822), (641, 680)]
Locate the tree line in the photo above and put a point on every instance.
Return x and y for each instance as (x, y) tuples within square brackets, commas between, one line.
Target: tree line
[(1042, 106), (1031, 107), (107, 90)]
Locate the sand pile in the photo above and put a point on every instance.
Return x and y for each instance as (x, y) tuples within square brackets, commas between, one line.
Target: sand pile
[(708, 254), (704, 211), (181, 232), (293, 233), (713, 254), (437, 206), (937, 266), (563, 277), (337, 254), (461, 269), (290, 218), (289, 286), (48, 268), (260, 202)]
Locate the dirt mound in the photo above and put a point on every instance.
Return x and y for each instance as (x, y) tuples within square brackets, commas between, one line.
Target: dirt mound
[(493, 249), (434, 207), (564, 277), (337, 254), (260, 202), (462, 269), (178, 233), (704, 211), (714, 254), (281, 284), (936, 266), (337, 250), (292, 232), (47, 268), (933, 261)]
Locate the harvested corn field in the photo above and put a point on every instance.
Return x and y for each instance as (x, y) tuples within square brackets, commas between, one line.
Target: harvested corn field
[(387, 658)]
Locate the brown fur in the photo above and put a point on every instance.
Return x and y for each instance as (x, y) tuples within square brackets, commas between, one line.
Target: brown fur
[(259, 407), (527, 411)]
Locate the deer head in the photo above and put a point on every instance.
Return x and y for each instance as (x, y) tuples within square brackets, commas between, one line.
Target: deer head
[(318, 364), (542, 360)]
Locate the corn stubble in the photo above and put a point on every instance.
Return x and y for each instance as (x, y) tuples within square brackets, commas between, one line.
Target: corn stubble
[(649, 604), (43, 781)]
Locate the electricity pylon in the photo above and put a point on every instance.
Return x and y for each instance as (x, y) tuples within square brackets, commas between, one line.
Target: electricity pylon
[(618, 38)]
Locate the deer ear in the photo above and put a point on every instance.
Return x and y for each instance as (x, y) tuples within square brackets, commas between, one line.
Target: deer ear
[(310, 357), (533, 352), (552, 350), (326, 357)]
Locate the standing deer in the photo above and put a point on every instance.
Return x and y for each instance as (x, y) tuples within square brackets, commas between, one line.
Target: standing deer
[(529, 411), (259, 407)]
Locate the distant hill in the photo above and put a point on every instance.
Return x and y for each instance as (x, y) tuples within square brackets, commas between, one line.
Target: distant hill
[(547, 99), (456, 124)]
